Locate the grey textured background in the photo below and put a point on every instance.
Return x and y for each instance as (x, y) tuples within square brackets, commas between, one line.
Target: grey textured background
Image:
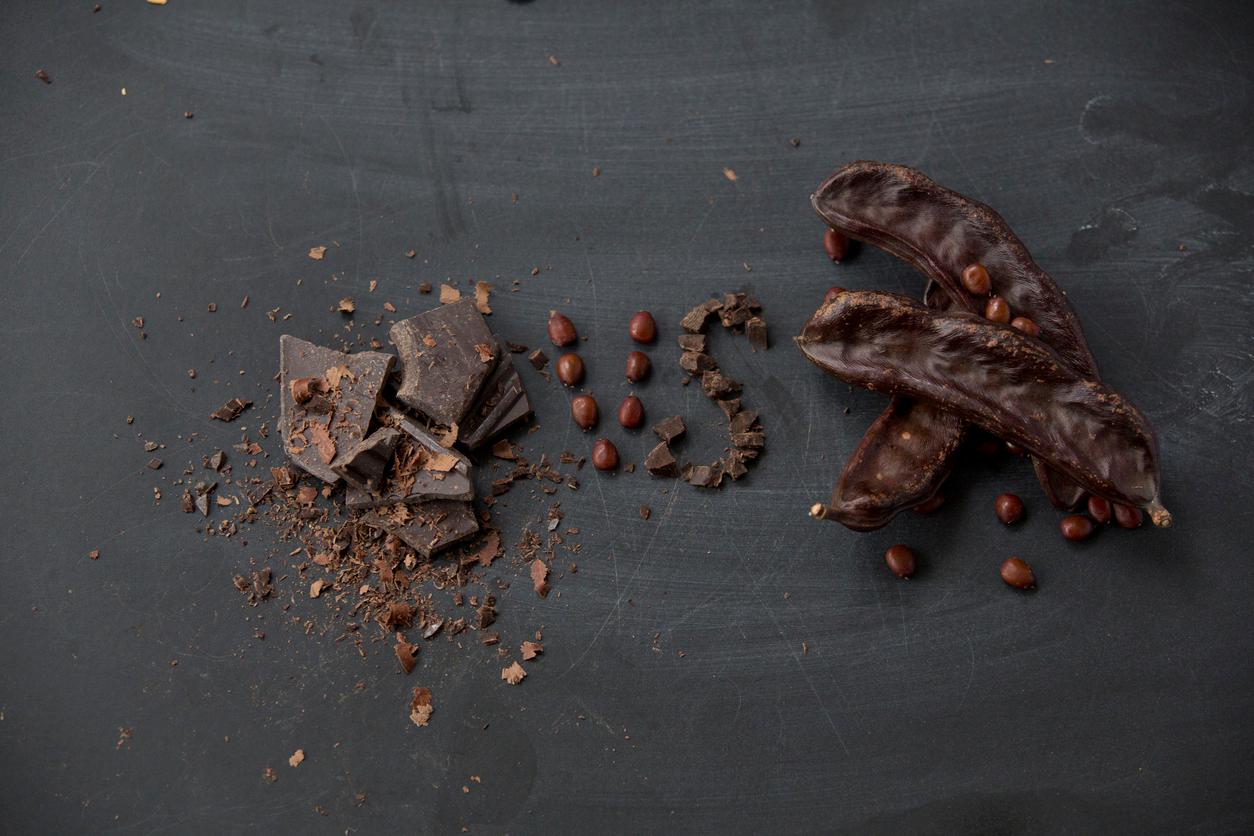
[(1114, 137)]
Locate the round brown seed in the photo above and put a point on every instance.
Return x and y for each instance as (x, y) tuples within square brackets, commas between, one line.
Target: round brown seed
[(561, 329), (1128, 517), (1009, 508), (631, 412), (570, 369), (975, 279), (836, 244), (1076, 527), (927, 506), (583, 408), (642, 328), (1018, 573), (604, 454), (1099, 510), (637, 366), (900, 560), (1025, 325), (997, 310), (832, 293)]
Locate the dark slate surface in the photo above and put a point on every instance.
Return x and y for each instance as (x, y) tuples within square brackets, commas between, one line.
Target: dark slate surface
[(1114, 137)]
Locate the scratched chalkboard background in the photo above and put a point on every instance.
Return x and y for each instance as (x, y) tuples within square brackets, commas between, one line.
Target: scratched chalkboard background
[(814, 691)]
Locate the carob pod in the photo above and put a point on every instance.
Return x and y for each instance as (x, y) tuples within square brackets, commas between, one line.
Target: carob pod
[(902, 461), (942, 233), (997, 378)]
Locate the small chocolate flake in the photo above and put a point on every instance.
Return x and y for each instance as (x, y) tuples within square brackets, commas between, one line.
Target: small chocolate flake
[(43, 76), (230, 410), (154, 464), (317, 253), (514, 674), (645, 512), (538, 359), (424, 287)]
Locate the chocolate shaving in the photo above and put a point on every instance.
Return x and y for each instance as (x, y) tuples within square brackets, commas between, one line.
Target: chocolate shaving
[(230, 410)]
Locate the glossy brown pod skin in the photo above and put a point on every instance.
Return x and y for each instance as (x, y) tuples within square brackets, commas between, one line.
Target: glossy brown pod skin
[(998, 378), (902, 461), (941, 234)]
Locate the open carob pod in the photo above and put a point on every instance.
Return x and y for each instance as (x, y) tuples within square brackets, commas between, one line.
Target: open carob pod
[(971, 253), (998, 378)]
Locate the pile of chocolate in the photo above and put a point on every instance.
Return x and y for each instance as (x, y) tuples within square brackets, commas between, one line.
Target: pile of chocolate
[(389, 426)]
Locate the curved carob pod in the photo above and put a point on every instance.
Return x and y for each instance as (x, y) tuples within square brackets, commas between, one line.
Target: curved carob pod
[(997, 378), (902, 461), (941, 233)]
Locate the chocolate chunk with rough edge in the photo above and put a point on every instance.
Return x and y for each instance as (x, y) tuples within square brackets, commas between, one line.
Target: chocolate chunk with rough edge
[(734, 466), (496, 400), (538, 359), (719, 386), (230, 410), (692, 342), (353, 385), (730, 407), (406, 481), (705, 476), (661, 462), (427, 527), (751, 441), (669, 429), (755, 330), (743, 421), (694, 362), (694, 322), (366, 463), (442, 358)]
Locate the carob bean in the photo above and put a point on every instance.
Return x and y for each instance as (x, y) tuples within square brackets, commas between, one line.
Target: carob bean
[(1009, 508), (604, 454), (1026, 325), (976, 280), (631, 412), (561, 329), (583, 409), (637, 366), (901, 462), (900, 560), (1129, 517), (943, 235), (997, 310), (1099, 510), (642, 328), (570, 369), (1011, 385), (836, 244), (1016, 572), (1076, 527)]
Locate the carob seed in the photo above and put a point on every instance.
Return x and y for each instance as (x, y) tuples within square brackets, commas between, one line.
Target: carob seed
[(631, 412), (1076, 527), (997, 310), (1009, 508), (642, 327), (561, 329), (900, 560), (835, 244), (1099, 510), (604, 454), (1128, 516), (1025, 325), (637, 366), (570, 369), (583, 409), (1018, 573), (975, 279)]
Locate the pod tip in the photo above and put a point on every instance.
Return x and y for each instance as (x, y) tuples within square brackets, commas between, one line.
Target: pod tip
[(819, 511), (1159, 515)]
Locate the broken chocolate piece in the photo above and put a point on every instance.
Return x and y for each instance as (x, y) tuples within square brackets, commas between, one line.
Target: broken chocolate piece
[(694, 362), (694, 322), (730, 407), (750, 440), (353, 385), (755, 330), (661, 462), (734, 466), (669, 429), (718, 385), (538, 359), (427, 527), (743, 421), (704, 476), (442, 367), (366, 463), (230, 410), (420, 469), (496, 400), (692, 342)]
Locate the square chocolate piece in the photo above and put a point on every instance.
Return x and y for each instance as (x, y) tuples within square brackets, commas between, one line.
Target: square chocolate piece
[(428, 527), (315, 432), (446, 355)]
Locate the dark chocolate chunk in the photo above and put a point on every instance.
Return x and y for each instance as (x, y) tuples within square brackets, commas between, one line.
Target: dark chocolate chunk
[(669, 429), (734, 466), (661, 462), (730, 407), (366, 463), (755, 330), (694, 322), (753, 441), (515, 348), (230, 410), (538, 359), (704, 476), (718, 385), (743, 421), (427, 527), (446, 354), (353, 385), (694, 362), (692, 342), (421, 469), (496, 400)]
